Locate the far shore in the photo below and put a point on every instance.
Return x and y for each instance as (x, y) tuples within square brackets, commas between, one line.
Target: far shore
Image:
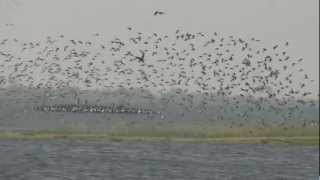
[(175, 137)]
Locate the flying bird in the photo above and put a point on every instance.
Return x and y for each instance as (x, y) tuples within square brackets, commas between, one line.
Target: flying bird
[(158, 13), (141, 58)]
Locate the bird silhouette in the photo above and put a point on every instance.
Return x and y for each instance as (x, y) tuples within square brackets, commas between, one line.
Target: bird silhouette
[(156, 13), (141, 58)]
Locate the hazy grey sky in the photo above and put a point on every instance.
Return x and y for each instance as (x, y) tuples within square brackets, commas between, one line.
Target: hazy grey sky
[(272, 21)]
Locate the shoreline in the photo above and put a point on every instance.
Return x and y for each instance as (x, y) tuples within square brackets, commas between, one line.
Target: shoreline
[(104, 137)]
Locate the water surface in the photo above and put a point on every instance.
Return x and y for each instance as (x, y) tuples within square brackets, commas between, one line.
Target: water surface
[(124, 160)]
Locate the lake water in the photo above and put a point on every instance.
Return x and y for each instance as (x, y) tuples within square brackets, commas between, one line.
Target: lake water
[(59, 159)]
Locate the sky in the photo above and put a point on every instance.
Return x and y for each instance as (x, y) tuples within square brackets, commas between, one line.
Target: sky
[(272, 21)]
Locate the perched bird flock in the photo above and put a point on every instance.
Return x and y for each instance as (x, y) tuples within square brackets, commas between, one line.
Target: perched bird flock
[(94, 109), (214, 65)]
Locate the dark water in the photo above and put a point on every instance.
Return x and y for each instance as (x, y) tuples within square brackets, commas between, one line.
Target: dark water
[(83, 160)]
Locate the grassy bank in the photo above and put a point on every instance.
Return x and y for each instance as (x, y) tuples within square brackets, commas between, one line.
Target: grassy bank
[(303, 136)]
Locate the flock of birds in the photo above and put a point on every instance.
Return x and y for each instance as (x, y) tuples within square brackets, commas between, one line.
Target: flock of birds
[(78, 108), (186, 63)]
